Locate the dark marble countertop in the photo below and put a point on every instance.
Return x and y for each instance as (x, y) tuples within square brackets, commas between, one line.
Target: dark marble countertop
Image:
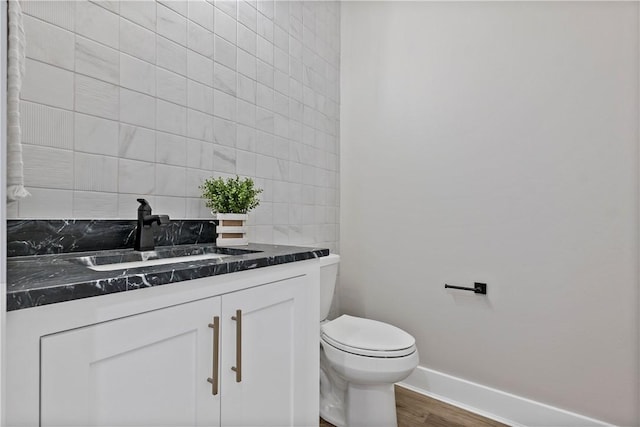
[(36, 280)]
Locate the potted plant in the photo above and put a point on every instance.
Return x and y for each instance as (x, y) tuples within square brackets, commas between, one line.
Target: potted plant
[(230, 200)]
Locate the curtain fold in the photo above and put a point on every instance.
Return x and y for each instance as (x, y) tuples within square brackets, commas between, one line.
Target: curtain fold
[(15, 73)]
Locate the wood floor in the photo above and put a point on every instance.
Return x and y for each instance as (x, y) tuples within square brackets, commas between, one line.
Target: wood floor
[(416, 410)]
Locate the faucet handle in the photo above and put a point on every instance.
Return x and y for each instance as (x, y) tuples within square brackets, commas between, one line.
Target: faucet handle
[(144, 208)]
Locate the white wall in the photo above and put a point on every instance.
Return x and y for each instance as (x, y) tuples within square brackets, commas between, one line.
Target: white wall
[(497, 142), (124, 99)]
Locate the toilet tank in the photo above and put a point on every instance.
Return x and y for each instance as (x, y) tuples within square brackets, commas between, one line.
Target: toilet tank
[(328, 275)]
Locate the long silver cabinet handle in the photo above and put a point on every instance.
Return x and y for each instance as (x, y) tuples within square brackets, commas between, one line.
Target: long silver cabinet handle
[(238, 368), (216, 354)]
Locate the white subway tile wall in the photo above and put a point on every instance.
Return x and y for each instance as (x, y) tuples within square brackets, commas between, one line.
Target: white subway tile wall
[(127, 99)]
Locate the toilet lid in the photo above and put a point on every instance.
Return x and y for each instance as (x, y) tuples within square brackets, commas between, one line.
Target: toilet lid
[(367, 337)]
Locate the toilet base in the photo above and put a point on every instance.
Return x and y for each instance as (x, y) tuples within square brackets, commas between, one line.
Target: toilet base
[(345, 404), (366, 406), (371, 406)]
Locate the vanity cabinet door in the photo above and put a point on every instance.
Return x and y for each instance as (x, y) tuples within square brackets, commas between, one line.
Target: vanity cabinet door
[(278, 359), (150, 369)]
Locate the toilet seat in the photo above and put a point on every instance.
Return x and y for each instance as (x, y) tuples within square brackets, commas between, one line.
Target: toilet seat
[(366, 337)]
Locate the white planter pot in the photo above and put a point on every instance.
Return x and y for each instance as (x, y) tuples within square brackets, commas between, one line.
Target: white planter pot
[(232, 229)]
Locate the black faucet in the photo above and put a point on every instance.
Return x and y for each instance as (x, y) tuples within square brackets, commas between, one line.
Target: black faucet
[(144, 232)]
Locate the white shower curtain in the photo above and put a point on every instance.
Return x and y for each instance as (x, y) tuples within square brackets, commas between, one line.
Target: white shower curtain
[(15, 72)]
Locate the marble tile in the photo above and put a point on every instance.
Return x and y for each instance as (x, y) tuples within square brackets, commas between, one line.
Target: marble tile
[(266, 7), (171, 149), (171, 56), (137, 108), (264, 120), (264, 73), (200, 97), (281, 35), (194, 179), (170, 181), (141, 12), (247, 64), (265, 142), (227, 6), (51, 44), (264, 97), (171, 86), (96, 97), (95, 135), (12, 211), (280, 190), (281, 148), (246, 138), (295, 28), (95, 173), (247, 39), (247, 15), (171, 118), (97, 23), (199, 154), (135, 177), (171, 25), (199, 125), (46, 203), (280, 125), (46, 84), (180, 6), (246, 113), (224, 52), (137, 41), (245, 163), (91, 204), (196, 208), (199, 39), (110, 5), (281, 213), (281, 104), (224, 132), (201, 12), (264, 50), (96, 60), (265, 27), (224, 25), (224, 79), (137, 75), (224, 105), (46, 126), (281, 60), (295, 172), (264, 166), (224, 159), (136, 143), (246, 89), (175, 207), (295, 68), (60, 13), (47, 167), (199, 68), (282, 13)]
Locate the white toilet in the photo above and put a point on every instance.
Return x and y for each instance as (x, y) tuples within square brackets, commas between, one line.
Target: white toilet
[(360, 360)]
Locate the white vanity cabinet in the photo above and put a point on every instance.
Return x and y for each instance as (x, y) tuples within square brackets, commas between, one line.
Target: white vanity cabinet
[(146, 369), (247, 356)]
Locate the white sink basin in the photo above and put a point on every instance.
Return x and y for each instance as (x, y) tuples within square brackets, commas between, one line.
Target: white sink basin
[(152, 262)]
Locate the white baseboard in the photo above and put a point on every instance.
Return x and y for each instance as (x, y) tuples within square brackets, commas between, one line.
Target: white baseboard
[(495, 404)]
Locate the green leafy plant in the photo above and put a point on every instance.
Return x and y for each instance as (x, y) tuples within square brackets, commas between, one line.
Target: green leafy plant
[(233, 195)]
